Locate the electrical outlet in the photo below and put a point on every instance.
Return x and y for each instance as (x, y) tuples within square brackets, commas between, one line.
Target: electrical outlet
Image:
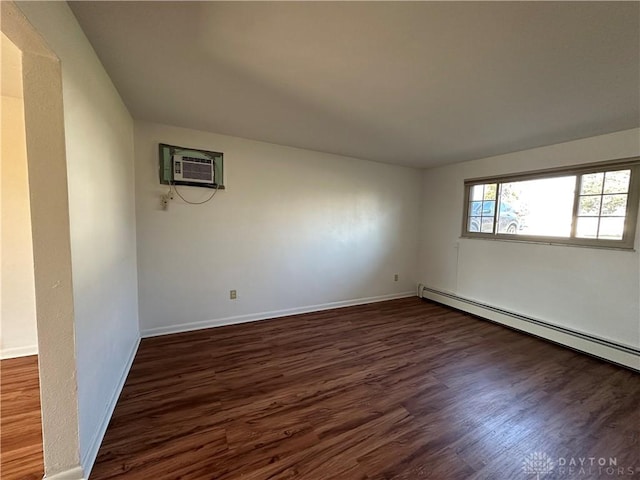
[(232, 294), (395, 277), (164, 201)]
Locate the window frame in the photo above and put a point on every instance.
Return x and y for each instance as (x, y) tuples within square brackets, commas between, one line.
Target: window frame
[(631, 212)]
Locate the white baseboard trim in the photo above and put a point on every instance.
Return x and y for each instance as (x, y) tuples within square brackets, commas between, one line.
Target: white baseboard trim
[(74, 473), (611, 351), (90, 456), (16, 352), (252, 317)]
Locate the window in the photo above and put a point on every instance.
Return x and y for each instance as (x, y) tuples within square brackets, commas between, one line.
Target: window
[(591, 205)]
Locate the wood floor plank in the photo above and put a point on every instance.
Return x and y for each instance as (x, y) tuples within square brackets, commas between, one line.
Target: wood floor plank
[(21, 455), (406, 389)]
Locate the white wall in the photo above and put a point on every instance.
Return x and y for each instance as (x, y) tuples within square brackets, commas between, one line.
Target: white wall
[(99, 145), (294, 229), (18, 333), (590, 290)]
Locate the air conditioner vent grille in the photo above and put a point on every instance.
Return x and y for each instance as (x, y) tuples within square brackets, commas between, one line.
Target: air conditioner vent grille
[(196, 171)]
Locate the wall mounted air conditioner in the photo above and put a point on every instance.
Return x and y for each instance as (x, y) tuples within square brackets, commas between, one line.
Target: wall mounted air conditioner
[(193, 169)]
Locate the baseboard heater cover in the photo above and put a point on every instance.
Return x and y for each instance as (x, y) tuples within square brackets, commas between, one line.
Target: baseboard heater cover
[(617, 353)]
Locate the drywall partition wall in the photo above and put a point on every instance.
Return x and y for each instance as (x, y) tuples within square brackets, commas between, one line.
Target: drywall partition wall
[(44, 133), (99, 146), (595, 291), (294, 230), (18, 333)]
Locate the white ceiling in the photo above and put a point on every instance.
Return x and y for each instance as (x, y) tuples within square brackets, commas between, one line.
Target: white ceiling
[(419, 83), (11, 68)]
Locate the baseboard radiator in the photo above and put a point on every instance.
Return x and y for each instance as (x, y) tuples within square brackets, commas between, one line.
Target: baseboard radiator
[(617, 353)]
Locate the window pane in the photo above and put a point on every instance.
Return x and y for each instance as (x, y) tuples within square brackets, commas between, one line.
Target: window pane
[(508, 220), (488, 207), (587, 227), (541, 207), (475, 209), (477, 191), (591, 183), (611, 228), (589, 206), (617, 182), (614, 205), (487, 225), (490, 191), (474, 224)]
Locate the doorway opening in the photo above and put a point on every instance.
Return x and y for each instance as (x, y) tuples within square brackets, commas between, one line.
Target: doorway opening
[(21, 454), (48, 208)]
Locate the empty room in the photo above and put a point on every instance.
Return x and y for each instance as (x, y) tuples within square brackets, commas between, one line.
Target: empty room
[(320, 240)]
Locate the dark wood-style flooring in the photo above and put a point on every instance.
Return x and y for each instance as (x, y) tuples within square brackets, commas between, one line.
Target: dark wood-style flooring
[(404, 389), (20, 420)]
